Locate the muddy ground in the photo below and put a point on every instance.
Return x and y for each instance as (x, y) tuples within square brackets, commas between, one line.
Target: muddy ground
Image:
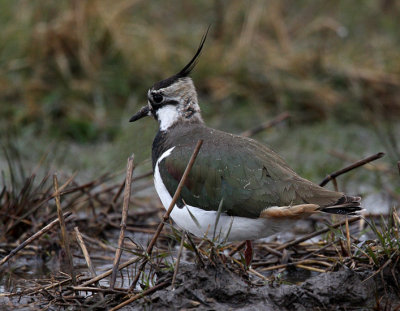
[(216, 288)]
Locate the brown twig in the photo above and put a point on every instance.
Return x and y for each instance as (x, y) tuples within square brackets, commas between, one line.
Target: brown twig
[(127, 197), (142, 294), (34, 237), (351, 167), (266, 125), (64, 233), (311, 235), (168, 212)]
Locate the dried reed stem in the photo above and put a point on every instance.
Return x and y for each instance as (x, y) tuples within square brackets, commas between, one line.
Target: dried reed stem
[(108, 272), (168, 212), (34, 237), (348, 236), (311, 235), (266, 125), (64, 233), (251, 270), (335, 184), (178, 259), (127, 197), (85, 252), (351, 167)]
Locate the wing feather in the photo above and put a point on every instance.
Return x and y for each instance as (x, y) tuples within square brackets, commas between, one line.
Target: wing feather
[(247, 175)]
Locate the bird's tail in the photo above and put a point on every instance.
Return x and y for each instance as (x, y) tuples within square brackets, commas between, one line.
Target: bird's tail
[(346, 205)]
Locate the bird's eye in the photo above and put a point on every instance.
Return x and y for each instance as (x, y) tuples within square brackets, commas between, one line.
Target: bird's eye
[(157, 98)]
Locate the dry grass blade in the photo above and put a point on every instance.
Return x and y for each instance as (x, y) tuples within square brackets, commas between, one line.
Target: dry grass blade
[(196, 251), (127, 196), (351, 167), (34, 237), (170, 208), (64, 233)]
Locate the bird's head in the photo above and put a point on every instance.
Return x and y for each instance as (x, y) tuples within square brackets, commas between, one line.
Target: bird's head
[(174, 99)]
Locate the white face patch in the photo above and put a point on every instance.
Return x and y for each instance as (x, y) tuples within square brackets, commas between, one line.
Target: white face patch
[(167, 116)]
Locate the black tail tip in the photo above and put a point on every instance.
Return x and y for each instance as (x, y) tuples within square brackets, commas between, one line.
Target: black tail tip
[(346, 205), (343, 210)]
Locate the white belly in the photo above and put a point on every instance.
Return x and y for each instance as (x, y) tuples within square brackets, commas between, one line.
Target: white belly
[(229, 228)]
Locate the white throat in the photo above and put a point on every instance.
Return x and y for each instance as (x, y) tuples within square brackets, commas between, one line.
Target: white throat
[(167, 116)]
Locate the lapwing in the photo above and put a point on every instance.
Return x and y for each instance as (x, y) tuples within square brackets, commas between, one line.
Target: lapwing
[(245, 185)]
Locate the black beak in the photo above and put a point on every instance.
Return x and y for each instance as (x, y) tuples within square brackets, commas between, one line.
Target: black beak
[(143, 112)]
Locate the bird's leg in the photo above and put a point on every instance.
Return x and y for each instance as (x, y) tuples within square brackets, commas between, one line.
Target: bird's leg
[(248, 253)]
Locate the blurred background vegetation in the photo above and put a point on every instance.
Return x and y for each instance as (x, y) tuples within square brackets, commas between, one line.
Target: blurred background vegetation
[(73, 72)]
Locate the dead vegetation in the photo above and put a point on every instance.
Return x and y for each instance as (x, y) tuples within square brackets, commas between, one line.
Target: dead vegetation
[(33, 211), (69, 66)]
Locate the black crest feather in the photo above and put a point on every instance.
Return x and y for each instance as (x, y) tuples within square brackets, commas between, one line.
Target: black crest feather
[(189, 67), (186, 70)]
